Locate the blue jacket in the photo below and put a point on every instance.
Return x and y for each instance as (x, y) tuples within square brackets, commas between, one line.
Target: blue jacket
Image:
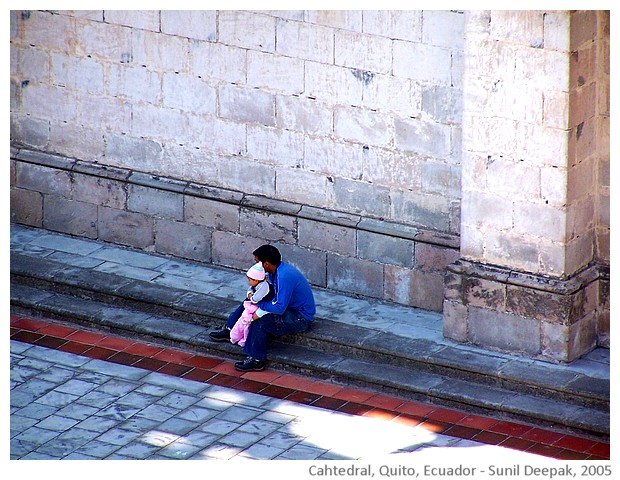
[(291, 291)]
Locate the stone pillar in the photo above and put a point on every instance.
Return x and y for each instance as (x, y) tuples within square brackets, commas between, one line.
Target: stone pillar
[(527, 281)]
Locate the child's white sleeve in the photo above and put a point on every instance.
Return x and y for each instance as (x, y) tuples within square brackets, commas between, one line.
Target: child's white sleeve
[(262, 289)]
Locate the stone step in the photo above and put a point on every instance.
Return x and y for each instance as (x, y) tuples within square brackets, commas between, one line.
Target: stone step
[(412, 368), (328, 336)]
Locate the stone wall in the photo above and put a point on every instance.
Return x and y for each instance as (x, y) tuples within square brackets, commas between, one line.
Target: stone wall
[(343, 252), (449, 160), (535, 190), (353, 111)]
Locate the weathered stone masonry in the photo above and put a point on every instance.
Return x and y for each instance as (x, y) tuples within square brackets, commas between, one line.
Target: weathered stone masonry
[(455, 161), (340, 251)]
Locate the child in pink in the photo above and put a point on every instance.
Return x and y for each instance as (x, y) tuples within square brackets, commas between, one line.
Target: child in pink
[(259, 290)]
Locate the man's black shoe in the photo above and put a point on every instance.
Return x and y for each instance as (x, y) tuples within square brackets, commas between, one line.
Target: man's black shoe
[(222, 335), (251, 365)]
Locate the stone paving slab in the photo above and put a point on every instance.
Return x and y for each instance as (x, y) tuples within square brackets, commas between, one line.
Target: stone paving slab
[(144, 415)]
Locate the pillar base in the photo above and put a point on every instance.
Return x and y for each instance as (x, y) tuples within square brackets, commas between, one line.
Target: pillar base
[(551, 319)]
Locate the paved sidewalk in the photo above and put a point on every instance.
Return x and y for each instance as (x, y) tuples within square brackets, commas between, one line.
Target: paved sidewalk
[(67, 406), (93, 405)]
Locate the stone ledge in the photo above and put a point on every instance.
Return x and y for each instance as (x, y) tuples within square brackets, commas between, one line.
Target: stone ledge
[(375, 225), (560, 286)]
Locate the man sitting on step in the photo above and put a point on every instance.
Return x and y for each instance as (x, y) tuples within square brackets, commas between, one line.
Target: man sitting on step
[(291, 310)]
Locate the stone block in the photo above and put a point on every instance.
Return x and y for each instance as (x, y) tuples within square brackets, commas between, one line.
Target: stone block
[(482, 293), (30, 131), (431, 211), (275, 146), (112, 114), (300, 186), (455, 321), (351, 275), (344, 19), (68, 216), (233, 250), (440, 178), (582, 104), (556, 30), (385, 249), (390, 168), (555, 109), (540, 220), (305, 41), (183, 240), (386, 93), (188, 93), (414, 287), (563, 343), (126, 228), (422, 62), (160, 52), (211, 213), (363, 126), (31, 63), (443, 103), (515, 180), (249, 177), (361, 197), (397, 24), (84, 74), (553, 186), (312, 263), (218, 62), (155, 202), (26, 207), (161, 125), (133, 153), (277, 73), (521, 27), (104, 40), (516, 251), (444, 28), (556, 71), (267, 225), (504, 331), (259, 202), (217, 136), (142, 19), (303, 115), (77, 141), (194, 24), (333, 84), (134, 83), (99, 191), (251, 30), (579, 252), (333, 158), (429, 257), (584, 28), (43, 179), (46, 29), (423, 137), (487, 210), (327, 237), (247, 105), (368, 53), (454, 288), (59, 103)]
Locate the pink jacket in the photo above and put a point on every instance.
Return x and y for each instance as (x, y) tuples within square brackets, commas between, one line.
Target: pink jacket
[(239, 332)]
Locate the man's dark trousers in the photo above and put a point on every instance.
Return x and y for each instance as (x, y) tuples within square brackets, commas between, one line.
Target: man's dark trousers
[(269, 324)]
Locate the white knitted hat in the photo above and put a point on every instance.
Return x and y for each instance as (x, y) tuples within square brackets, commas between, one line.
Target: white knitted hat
[(257, 272)]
